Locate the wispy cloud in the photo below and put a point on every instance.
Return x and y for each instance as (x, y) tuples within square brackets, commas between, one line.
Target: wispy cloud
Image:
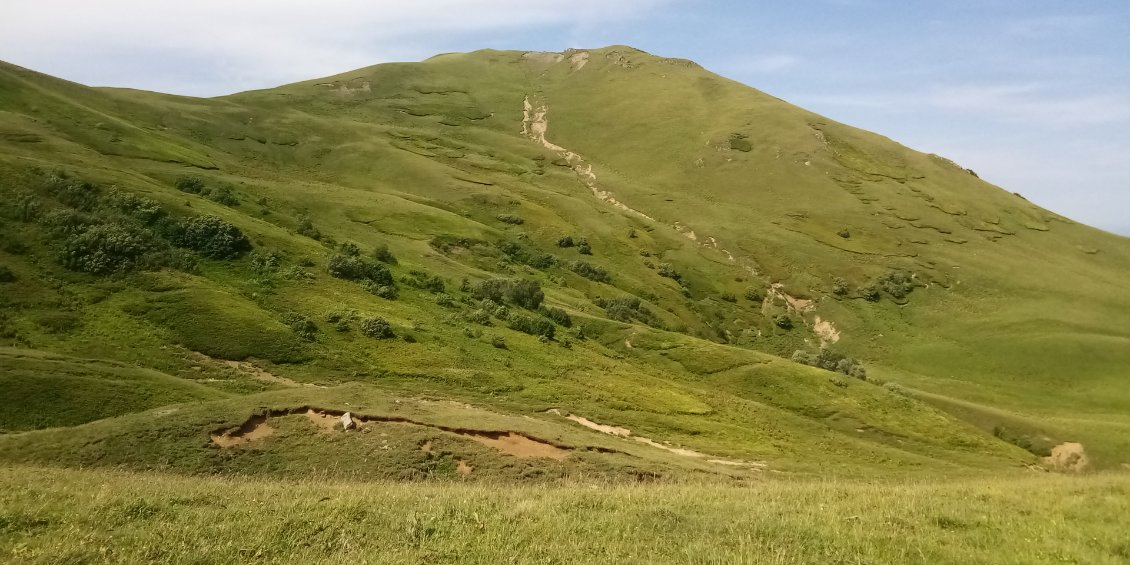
[(259, 43), (1033, 103)]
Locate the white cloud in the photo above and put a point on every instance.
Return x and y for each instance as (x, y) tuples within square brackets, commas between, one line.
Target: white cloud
[(258, 43)]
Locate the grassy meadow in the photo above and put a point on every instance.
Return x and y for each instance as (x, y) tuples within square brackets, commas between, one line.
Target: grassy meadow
[(79, 516)]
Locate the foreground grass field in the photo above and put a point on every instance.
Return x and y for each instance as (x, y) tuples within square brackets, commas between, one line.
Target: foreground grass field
[(50, 515)]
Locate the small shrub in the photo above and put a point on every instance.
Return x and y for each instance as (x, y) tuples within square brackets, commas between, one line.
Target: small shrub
[(668, 270), (409, 338), (831, 361), (783, 321), (583, 247), (740, 142), (870, 293), (839, 287), (381, 253), (844, 233), (302, 326), (753, 294), (479, 316), (224, 195), (729, 297), (377, 327), (559, 316), (265, 262), (510, 219), (349, 249), (190, 184), (631, 233), (445, 300), (565, 241), (306, 228), (498, 342), (6, 274), (386, 291)]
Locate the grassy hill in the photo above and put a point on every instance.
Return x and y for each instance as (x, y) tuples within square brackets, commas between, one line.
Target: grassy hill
[(621, 237)]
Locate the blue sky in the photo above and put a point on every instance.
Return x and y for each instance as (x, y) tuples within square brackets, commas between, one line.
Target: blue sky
[(1033, 95)]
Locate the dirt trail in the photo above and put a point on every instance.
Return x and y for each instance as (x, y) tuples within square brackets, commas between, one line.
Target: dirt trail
[(515, 444), (1068, 457), (535, 124), (627, 434)]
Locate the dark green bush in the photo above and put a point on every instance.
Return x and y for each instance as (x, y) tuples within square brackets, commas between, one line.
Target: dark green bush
[(349, 249), (870, 293), (728, 297), (532, 326), (382, 254), (740, 142), (627, 309), (377, 327), (424, 280), (510, 219), (525, 293), (358, 269), (783, 321), (753, 294), (559, 316), (898, 284), (6, 274), (583, 247), (302, 326), (490, 289), (565, 241), (839, 287), (105, 249), (527, 256), (306, 228), (590, 272), (498, 342), (190, 184), (211, 237)]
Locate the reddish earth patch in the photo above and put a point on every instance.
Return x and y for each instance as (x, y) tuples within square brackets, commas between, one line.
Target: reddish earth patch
[(511, 443), (519, 446)]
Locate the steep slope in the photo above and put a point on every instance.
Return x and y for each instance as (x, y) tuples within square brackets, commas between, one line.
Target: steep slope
[(721, 227)]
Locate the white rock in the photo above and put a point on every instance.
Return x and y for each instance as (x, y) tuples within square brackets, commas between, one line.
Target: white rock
[(347, 421)]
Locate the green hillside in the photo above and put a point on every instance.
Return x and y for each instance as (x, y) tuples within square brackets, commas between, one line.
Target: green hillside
[(605, 234)]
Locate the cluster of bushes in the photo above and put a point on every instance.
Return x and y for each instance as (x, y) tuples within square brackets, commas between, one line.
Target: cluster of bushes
[(832, 361), (582, 244), (104, 232), (519, 253), (376, 327), (521, 292), (753, 294), (897, 284), (510, 219), (533, 325), (301, 325), (447, 243), (424, 280), (223, 194), (374, 277), (591, 272), (668, 270), (627, 309)]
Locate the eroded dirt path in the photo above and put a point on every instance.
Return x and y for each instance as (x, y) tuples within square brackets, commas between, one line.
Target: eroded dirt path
[(535, 124), (627, 434), (515, 444)]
